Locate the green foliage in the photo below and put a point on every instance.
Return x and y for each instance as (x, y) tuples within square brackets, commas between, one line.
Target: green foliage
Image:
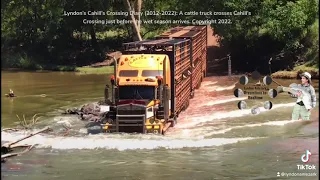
[(37, 35), (283, 21), (19, 60), (30, 22), (311, 42), (274, 29)]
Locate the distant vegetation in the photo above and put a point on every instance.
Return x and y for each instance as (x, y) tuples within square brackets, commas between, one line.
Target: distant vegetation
[(36, 35)]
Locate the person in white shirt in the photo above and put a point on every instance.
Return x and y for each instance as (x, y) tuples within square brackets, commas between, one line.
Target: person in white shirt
[(299, 109)]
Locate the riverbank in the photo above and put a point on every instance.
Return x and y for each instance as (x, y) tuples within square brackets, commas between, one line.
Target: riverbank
[(95, 70), (49, 68), (313, 70)]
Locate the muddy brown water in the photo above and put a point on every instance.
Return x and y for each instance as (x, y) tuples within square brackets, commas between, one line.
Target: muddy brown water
[(213, 139)]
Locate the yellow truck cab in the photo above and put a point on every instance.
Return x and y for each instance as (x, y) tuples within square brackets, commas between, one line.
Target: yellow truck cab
[(154, 80), (138, 79)]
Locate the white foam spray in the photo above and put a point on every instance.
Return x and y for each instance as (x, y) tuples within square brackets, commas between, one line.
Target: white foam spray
[(224, 100), (270, 123), (193, 121), (110, 142)]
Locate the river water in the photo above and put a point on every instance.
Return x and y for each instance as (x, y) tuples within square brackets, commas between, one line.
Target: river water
[(212, 140)]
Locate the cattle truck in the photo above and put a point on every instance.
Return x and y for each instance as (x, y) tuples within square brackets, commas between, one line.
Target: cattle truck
[(154, 80)]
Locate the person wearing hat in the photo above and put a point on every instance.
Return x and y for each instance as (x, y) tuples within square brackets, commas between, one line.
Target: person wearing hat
[(299, 108), (11, 94)]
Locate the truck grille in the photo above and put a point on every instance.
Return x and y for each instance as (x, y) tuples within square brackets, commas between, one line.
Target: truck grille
[(131, 110), (130, 118)]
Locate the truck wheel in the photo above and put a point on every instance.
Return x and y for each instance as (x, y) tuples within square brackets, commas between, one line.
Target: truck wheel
[(198, 85), (187, 104), (162, 132), (174, 122), (192, 95)]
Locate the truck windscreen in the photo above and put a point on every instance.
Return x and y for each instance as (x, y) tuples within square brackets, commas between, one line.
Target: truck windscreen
[(128, 73), (152, 73), (136, 92)]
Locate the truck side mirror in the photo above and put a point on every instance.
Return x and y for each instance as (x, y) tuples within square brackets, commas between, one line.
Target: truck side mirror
[(112, 80)]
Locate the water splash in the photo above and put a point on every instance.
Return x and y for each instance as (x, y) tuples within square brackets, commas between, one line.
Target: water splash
[(208, 83), (120, 143), (223, 100), (190, 132), (221, 88), (269, 123), (210, 88), (192, 121)]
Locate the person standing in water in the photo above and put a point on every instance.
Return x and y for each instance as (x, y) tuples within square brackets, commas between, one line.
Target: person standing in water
[(299, 108), (11, 94)]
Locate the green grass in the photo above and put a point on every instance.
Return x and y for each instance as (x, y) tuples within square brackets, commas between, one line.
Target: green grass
[(313, 70), (95, 70), (306, 67)]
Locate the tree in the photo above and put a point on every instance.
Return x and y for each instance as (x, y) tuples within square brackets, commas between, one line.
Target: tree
[(134, 22)]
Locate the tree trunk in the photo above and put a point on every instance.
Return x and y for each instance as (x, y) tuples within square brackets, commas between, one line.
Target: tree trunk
[(138, 9), (93, 33), (93, 37), (134, 22)]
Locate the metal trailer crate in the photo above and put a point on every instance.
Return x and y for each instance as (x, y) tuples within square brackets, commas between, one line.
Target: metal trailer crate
[(198, 37), (179, 52)]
